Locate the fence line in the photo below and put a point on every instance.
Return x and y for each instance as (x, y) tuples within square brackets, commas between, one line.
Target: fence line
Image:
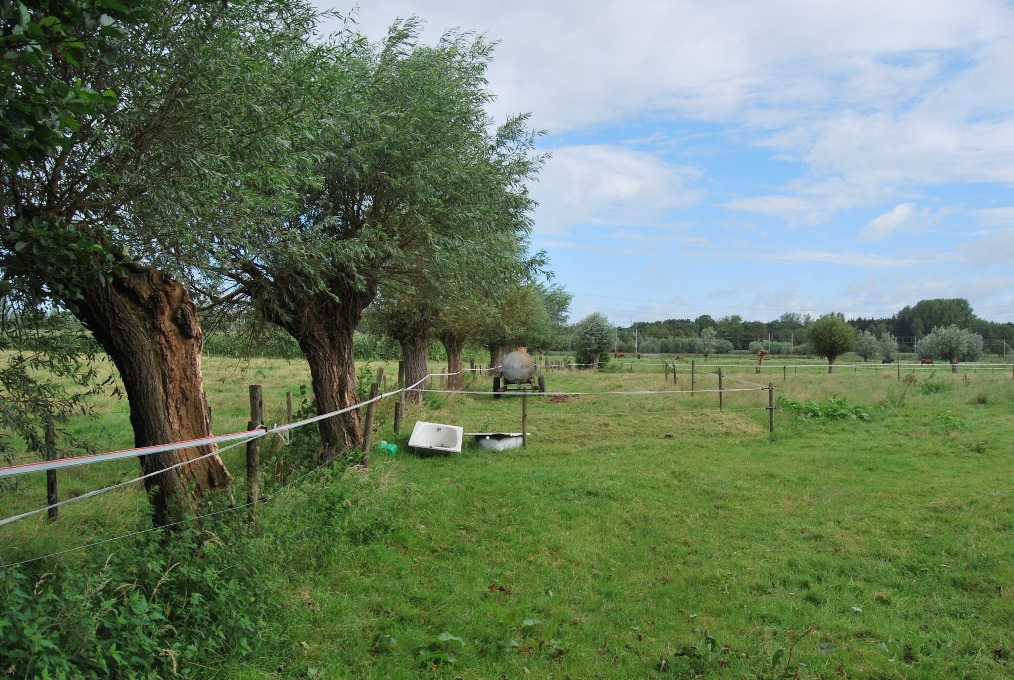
[(244, 438)]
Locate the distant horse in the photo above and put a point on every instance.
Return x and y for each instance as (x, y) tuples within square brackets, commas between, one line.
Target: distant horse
[(887, 361), (925, 361), (619, 355), (679, 357)]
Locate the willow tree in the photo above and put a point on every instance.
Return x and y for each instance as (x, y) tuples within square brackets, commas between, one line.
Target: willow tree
[(399, 142), (104, 223), (831, 337), (443, 297)]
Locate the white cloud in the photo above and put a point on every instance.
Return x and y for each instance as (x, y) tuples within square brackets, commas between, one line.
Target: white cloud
[(997, 249), (864, 260), (881, 227), (608, 185)]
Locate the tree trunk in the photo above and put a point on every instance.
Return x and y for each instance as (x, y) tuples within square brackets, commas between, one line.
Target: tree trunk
[(497, 352), (595, 360), (415, 351), (324, 328), (830, 365), (954, 365), (148, 325), (455, 346)]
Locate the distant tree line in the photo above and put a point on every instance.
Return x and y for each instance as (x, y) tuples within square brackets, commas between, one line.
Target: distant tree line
[(788, 332)]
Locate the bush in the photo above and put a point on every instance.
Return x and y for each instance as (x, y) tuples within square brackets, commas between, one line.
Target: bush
[(155, 608)]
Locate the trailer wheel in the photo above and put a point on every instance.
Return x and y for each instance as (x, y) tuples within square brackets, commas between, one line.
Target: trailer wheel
[(542, 383), (496, 387)]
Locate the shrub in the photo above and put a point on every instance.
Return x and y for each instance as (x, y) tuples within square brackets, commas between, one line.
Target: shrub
[(155, 608)]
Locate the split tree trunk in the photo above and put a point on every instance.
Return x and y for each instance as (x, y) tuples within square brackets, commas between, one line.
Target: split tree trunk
[(148, 325), (595, 360), (455, 347)]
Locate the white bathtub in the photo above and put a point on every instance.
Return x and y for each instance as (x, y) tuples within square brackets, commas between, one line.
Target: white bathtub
[(436, 437)]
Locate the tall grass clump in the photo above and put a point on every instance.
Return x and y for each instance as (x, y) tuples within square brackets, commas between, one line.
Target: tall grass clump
[(159, 605)]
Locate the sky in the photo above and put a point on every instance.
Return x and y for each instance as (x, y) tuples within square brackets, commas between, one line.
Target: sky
[(757, 158)]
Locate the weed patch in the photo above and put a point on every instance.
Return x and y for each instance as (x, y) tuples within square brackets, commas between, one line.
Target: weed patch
[(833, 409)]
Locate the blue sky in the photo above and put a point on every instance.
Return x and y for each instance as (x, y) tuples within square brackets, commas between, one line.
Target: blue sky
[(758, 158)]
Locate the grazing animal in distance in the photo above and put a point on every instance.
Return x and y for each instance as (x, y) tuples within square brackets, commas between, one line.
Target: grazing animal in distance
[(679, 357), (760, 358), (925, 361), (619, 355), (887, 361)]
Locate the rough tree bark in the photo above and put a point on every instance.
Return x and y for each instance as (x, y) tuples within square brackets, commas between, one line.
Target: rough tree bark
[(497, 352), (324, 325), (455, 347), (415, 351), (148, 325)]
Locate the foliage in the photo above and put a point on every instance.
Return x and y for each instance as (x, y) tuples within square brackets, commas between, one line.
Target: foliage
[(833, 409), (773, 347), (866, 345), (166, 605), (931, 386), (440, 650), (888, 346), (593, 335), (707, 342), (46, 373), (42, 110), (951, 343), (831, 337)]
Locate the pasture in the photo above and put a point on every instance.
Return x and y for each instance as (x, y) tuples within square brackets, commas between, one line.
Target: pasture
[(637, 535)]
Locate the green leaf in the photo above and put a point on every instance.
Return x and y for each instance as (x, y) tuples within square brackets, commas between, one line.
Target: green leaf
[(777, 657)]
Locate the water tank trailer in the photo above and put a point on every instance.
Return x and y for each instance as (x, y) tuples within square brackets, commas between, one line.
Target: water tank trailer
[(518, 368)]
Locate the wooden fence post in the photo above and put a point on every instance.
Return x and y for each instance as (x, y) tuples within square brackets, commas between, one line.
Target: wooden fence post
[(785, 372), (368, 427), (720, 404), (524, 418), (253, 452), (52, 497), (693, 375), (666, 381), (771, 407)]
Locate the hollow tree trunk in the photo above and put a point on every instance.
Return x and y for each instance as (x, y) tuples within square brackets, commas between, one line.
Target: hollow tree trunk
[(455, 346), (415, 351), (148, 325)]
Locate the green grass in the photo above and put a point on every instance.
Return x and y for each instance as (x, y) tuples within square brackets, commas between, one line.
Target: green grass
[(643, 536)]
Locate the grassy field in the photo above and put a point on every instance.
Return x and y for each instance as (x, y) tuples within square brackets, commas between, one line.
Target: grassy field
[(637, 535)]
